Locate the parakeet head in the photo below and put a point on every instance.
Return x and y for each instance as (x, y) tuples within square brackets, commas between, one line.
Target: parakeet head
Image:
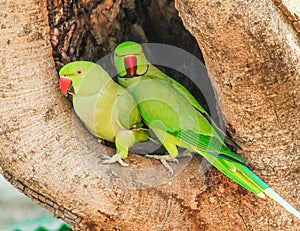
[(84, 75), (130, 60)]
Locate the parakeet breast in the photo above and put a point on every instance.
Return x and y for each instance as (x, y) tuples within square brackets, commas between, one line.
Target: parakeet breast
[(106, 112)]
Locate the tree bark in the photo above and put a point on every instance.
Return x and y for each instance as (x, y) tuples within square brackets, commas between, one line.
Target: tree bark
[(42, 143), (252, 52)]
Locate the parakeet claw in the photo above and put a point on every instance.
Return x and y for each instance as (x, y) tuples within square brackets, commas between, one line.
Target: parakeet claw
[(167, 166), (100, 141), (115, 158), (186, 153), (163, 159)]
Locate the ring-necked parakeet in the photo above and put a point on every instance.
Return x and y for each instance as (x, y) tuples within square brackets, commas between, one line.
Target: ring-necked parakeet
[(141, 68), (177, 119), (106, 109)]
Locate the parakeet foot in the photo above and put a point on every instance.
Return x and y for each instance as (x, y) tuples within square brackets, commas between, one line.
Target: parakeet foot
[(186, 153), (115, 158), (163, 159), (101, 141)]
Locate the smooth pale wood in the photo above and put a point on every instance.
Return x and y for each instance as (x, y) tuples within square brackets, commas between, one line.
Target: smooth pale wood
[(43, 150)]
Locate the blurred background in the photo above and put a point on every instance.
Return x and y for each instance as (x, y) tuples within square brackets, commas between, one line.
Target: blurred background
[(18, 212)]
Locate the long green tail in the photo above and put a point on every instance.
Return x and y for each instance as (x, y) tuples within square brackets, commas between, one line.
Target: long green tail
[(245, 177), (231, 165)]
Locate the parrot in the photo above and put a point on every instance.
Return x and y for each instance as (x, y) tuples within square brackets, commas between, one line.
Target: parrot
[(140, 69), (178, 120), (106, 109)]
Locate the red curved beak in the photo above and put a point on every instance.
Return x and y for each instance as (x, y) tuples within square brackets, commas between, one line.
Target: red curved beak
[(130, 64), (64, 84)]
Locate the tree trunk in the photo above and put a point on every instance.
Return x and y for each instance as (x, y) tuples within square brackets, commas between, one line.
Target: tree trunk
[(252, 53)]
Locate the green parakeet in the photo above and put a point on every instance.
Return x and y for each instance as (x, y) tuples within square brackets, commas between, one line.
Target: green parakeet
[(105, 108), (126, 69), (178, 120)]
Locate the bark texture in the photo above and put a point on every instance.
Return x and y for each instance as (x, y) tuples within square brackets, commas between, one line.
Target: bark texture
[(89, 30), (252, 54), (42, 144)]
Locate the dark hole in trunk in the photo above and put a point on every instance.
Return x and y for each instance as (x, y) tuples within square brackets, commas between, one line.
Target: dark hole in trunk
[(89, 31)]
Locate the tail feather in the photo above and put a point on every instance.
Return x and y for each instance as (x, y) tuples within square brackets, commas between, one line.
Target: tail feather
[(276, 197), (221, 163), (246, 178)]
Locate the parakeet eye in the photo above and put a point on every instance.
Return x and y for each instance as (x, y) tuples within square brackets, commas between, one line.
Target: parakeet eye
[(79, 72)]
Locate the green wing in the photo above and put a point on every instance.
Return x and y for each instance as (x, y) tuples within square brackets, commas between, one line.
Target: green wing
[(154, 71), (161, 105), (178, 119), (208, 144), (191, 99)]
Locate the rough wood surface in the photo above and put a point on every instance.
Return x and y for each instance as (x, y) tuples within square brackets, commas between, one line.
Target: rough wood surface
[(291, 10), (253, 59), (43, 146), (39, 150)]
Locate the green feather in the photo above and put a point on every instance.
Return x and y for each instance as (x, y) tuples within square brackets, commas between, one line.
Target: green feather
[(207, 143), (177, 119), (105, 108)]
